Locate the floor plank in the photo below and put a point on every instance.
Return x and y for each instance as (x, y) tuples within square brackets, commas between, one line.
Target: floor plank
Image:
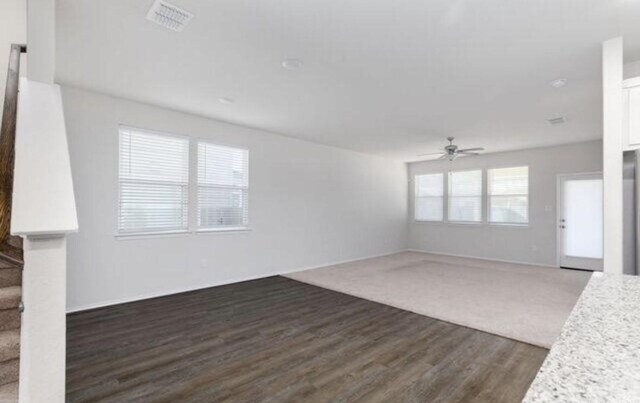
[(277, 340)]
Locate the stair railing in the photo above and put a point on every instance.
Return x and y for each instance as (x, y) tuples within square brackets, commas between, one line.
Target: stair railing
[(9, 245)]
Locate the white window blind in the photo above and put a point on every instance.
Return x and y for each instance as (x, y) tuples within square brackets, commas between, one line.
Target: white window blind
[(509, 195), (429, 197), (154, 182), (223, 187), (465, 196)]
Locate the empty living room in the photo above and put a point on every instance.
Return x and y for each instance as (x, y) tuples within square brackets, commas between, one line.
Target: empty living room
[(320, 201)]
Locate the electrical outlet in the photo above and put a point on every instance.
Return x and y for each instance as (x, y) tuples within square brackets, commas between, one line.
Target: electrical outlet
[(203, 263)]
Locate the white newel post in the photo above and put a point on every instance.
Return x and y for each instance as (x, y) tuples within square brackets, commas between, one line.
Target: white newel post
[(43, 211), (43, 333)]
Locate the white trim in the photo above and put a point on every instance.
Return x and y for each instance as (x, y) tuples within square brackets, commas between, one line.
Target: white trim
[(631, 82), (150, 235), (197, 185), (124, 126), (467, 223), (482, 197), (484, 258), (508, 225), (208, 231), (215, 284), (416, 197), (142, 233), (488, 195), (612, 146)]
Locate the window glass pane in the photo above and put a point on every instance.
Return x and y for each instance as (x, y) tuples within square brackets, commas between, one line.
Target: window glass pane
[(465, 208), (223, 182), (429, 192), (429, 185), (149, 156), (582, 211), (153, 182), (465, 196), (220, 207), (509, 195), (429, 208), (509, 209), (223, 166)]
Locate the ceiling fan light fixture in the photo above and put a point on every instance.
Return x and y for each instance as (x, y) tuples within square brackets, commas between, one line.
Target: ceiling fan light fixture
[(452, 152)]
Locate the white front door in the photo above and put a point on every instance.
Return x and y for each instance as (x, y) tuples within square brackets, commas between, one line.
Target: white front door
[(580, 221)]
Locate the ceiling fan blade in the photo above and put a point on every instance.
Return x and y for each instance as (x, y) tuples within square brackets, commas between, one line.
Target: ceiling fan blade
[(443, 156), (467, 153), (471, 149), (423, 155)]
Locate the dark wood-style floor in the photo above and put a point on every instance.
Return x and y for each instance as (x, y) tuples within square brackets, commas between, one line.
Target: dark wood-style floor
[(279, 340)]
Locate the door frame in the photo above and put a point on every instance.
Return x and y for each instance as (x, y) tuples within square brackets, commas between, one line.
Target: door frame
[(559, 179)]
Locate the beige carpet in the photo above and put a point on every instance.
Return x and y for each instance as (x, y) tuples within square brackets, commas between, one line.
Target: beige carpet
[(522, 302)]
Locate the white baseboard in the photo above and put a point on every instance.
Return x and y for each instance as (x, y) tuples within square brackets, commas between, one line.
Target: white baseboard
[(341, 262), (142, 297), (484, 258)]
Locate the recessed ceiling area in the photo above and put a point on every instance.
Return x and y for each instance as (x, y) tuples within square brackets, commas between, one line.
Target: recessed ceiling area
[(392, 78)]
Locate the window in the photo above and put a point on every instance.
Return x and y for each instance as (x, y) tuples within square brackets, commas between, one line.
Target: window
[(465, 196), (153, 182), (223, 187), (509, 195), (429, 197)]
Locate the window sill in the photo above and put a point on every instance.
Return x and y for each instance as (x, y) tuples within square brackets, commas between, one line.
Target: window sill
[(473, 224), (150, 235), (223, 230), (508, 225)]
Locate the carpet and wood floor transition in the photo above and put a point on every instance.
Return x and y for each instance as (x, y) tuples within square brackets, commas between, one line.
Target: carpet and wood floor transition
[(522, 302), (278, 340)]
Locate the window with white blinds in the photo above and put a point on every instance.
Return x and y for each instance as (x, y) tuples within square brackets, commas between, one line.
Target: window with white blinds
[(153, 181), (509, 195), (465, 196), (223, 187), (429, 197)]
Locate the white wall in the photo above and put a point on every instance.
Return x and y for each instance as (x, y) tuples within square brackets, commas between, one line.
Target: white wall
[(41, 34), (310, 205), (631, 69), (535, 243)]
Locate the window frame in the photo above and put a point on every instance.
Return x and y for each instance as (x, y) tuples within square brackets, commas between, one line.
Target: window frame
[(196, 187), (481, 197), (151, 233), (489, 196), (192, 189), (416, 197)]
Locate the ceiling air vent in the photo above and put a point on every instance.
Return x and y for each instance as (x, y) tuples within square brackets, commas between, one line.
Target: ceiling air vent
[(557, 121), (169, 16)]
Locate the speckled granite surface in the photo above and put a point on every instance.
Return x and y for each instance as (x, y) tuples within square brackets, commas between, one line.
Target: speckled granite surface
[(597, 356)]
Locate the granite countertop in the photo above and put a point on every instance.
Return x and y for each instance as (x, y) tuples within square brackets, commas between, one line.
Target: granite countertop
[(597, 356)]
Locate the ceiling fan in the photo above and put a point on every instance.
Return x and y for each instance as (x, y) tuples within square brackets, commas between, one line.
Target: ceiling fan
[(451, 151)]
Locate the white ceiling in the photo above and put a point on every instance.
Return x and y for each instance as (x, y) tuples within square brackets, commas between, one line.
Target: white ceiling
[(389, 77)]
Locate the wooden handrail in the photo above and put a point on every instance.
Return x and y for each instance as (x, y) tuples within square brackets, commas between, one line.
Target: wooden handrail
[(7, 144)]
